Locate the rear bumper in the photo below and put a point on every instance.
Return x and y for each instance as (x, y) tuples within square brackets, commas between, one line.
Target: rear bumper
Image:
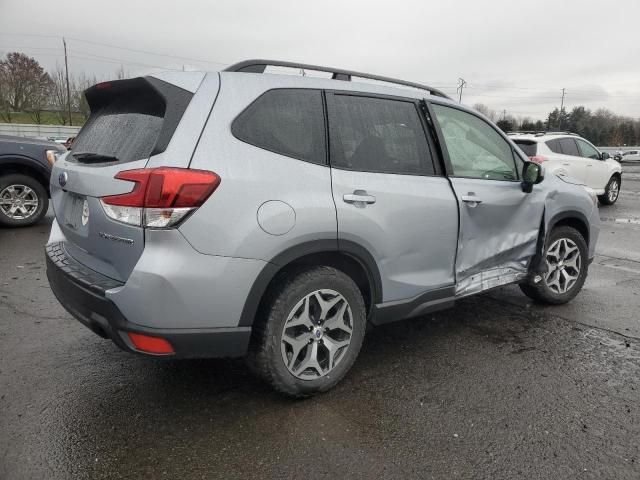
[(81, 292)]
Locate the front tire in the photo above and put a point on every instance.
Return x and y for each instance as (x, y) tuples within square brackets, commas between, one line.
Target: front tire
[(313, 325), (567, 266), (23, 200), (611, 191)]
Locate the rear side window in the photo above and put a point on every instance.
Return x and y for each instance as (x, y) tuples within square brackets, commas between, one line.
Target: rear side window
[(285, 121), (529, 148), (554, 145), (377, 135), (569, 147)]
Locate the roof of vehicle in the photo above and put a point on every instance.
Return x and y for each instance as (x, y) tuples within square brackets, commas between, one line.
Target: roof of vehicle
[(540, 136), (357, 81)]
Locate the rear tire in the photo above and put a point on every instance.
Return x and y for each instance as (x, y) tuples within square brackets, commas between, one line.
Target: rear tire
[(23, 200), (611, 191), (309, 331), (566, 256)]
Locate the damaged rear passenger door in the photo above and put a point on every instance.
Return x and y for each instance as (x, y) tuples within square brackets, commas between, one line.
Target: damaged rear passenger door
[(499, 223)]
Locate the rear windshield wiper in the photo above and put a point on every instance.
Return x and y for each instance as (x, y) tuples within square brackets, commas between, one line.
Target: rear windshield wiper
[(89, 157)]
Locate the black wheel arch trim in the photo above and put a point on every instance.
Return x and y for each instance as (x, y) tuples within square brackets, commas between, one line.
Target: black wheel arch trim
[(13, 160), (571, 214), (354, 250)]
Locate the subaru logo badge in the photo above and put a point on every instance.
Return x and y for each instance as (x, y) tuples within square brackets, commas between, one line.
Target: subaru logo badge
[(62, 179)]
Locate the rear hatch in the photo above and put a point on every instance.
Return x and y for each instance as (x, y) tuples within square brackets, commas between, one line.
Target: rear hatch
[(130, 121)]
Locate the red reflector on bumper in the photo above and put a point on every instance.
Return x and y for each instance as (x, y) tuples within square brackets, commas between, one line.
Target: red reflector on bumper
[(148, 344)]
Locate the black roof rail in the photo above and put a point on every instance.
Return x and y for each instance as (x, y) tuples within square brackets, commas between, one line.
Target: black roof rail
[(259, 66)]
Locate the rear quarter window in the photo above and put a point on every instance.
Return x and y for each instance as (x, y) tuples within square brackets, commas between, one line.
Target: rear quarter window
[(554, 145), (285, 121)]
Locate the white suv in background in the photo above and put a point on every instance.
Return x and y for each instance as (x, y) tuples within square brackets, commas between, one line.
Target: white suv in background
[(571, 155), (630, 156)]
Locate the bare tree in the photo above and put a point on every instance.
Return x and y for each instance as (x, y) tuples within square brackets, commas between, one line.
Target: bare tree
[(58, 97), (5, 109), (486, 111), (79, 102), (121, 73), (40, 100), (24, 82)]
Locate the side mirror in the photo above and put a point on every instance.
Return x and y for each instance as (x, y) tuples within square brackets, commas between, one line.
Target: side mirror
[(605, 156), (532, 173)]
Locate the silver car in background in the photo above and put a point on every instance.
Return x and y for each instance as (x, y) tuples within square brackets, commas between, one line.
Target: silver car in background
[(242, 213)]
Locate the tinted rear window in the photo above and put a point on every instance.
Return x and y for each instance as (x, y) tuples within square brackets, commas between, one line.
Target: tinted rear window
[(120, 133), (529, 148), (377, 135), (130, 119), (285, 121)]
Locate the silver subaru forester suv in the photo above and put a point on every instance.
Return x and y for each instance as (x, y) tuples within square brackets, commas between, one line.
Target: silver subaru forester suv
[(271, 216)]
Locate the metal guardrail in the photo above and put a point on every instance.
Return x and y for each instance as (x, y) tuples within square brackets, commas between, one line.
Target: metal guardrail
[(38, 131)]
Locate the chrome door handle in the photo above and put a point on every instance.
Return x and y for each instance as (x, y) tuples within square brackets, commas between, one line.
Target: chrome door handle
[(358, 196), (471, 200)]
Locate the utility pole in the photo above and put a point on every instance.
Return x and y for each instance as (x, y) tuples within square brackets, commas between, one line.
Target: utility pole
[(66, 68), (504, 115), (461, 84), (561, 109)]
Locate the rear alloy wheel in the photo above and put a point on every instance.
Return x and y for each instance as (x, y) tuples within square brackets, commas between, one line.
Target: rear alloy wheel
[(312, 327), (566, 259), (316, 334), (611, 191), (23, 200)]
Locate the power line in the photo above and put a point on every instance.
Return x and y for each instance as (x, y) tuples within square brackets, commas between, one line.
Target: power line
[(108, 45), (66, 69), (561, 110), (461, 85)]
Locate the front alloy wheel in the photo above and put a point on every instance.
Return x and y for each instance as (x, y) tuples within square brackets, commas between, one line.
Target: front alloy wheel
[(611, 191), (614, 190), (18, 202), (23, 200), (564, 263)]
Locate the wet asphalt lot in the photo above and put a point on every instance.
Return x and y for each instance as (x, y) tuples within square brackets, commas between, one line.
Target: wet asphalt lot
[(493, 388)]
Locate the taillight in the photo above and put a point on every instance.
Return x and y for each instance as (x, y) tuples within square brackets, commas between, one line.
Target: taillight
[(538, 158), (161, 197)]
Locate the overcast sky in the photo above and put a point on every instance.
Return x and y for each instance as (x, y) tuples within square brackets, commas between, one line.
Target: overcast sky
[(514, 55)]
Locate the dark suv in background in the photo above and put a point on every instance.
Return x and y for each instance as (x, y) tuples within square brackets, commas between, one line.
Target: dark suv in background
[(25, 168)]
